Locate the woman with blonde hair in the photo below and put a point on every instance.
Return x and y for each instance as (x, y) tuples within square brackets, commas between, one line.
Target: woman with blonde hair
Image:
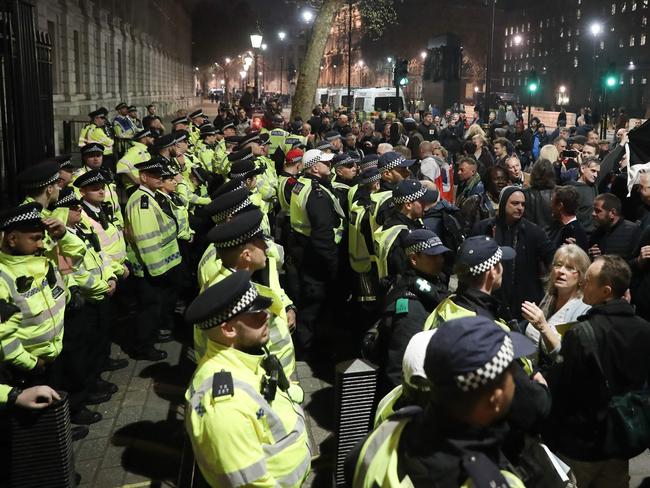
[(474, 130), (563, 300), (550, 153)]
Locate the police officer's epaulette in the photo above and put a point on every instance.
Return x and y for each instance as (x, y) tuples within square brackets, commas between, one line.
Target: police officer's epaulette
[(222, 384), (297, 187), (405, 412), (144, 201), (7, 310)]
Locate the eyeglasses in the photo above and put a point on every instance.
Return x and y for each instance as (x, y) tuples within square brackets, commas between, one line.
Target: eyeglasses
[(567, 267)]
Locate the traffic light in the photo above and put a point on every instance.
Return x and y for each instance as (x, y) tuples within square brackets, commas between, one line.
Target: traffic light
[(401, 72), (533, 83), (610, 76)]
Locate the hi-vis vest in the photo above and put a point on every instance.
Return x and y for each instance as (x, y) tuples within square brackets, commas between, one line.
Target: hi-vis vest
[(277, 138), (238, 437), (378, 200), (386, 406), (360, 256), (298, 209), (377, 465), (282, 199), (448, 310), (384, 240)]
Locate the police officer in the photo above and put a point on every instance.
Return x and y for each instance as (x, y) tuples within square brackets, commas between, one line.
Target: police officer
[(393, 168), (287, 178), (240, 244), (244, 427), (92, 158), (409, 201), (457, 440), (197, 119), (153, 240), (123, 127), (334, 139), (317, 223), (86, 342), (205, 151), (66, 169), (277, 135), (345, 174), (409, 302), (247, 171), (31, 280), (137, 153), (415, 388), (267, 180)]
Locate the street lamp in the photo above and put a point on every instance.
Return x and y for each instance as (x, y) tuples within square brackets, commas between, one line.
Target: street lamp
[(563, 89), (596, 28), (256, 42), (423, 55), (281, 35), (389, 60), (517, 40), (307, 16)]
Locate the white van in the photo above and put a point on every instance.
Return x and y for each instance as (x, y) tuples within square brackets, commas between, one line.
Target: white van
[(378, 99), (335, 97)]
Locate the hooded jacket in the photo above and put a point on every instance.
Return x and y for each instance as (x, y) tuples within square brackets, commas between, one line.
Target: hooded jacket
[(521, 276)]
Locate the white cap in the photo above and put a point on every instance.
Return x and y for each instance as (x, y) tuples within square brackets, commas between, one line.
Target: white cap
[(314, 156), (416, 351)]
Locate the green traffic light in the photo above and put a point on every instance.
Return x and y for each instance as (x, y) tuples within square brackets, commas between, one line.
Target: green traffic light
[(532, 87), (404, 81), (611, 81)]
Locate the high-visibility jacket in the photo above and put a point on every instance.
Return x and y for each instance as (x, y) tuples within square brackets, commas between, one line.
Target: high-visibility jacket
[(360, 255), (188, 194), (292, 140), (277, 139), (98, 134), (378, 199), (448, 310), (384, 240), (123, 127), (33, 284), (205, 155), (195, 134), (111, 239), (267, 182), (137, 153), (220, 163), (386, 406), (93, 273), (377, 465), (298, 208), (238, 437), (152, 234), (181, 215), (111, 196), (83, 134), (282, 198)]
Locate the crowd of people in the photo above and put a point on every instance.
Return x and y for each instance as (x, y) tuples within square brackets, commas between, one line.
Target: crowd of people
[(494, 273)]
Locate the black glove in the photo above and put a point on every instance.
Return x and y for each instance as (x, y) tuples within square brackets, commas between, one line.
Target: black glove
[(77, 300), (7, 310)]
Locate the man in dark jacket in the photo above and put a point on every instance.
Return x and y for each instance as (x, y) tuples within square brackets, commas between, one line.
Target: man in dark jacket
[(580, 400), (587, 187), (409, 302), (565, 228), (521, 277), (427, 128), (612, 234)]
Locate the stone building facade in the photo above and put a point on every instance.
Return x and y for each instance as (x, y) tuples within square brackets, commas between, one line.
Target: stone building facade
[(108, 51)]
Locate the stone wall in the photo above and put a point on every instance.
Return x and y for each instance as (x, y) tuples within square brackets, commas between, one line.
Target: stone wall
[(108, 51)]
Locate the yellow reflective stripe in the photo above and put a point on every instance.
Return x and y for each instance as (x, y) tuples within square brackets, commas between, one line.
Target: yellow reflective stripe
[(244, 476), (10, 347), (371, 447), (162, 263), (44, 337)]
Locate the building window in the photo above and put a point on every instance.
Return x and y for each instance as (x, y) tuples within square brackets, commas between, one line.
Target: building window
[(623, 7), (642, 40), (540, 38), (645, 3), (561, 32), (506, 31), (541, 24), (516, 29), (621, 43), (631, 79), (562, 19), (568, 47), (631, 40), (613, 8), (575, 62), (568, 33), (602, 45), (577, 31), (633, 5), (511, 30), (644, 21), (528, 29), (578, 13), (644, 80), (577, 46)]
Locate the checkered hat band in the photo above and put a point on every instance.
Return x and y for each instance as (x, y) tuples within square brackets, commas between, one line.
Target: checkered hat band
[(40, 184), (225, 214), (33, 214), (245, 301), (310, 162), (423, 246), (242, 239), (410, 198), (93, 149), (70, 197), (369, 164), (490, 370), (149, 167), (66, 164), (486, 265), (394, 163), (98, 178), (344, 161), (372, 179)]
